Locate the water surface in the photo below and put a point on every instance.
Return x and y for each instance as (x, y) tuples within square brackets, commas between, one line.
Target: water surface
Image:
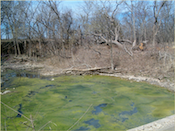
[(117, 104)]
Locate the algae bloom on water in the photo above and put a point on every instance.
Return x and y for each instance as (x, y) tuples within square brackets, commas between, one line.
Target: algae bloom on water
[(117, 104)]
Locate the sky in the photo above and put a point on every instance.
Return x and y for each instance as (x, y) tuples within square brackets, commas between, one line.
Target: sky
[(71, 4), (74, 4)]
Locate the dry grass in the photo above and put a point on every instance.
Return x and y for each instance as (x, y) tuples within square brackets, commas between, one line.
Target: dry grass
[(143, 63)]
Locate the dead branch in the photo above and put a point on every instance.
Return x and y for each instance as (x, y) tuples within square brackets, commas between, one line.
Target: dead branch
[(116, 43), (16, 111), (130, 53), (100, 35), (80, 118)]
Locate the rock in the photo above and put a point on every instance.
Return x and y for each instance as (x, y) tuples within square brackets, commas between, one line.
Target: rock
[(138, 80), (160, 77), (5, 92), (68, 72)]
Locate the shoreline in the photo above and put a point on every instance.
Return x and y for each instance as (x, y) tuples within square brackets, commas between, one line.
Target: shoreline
[(44, 70), (152, 81)]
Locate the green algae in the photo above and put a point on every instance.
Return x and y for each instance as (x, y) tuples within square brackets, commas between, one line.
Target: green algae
[(64, 100)]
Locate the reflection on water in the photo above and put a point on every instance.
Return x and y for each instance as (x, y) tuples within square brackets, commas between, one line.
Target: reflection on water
[(19, 110), (52, 86), (94, 92), (31, 93), (82, 128), (7, 74), (93, 122), (123, 115), (98, 108)]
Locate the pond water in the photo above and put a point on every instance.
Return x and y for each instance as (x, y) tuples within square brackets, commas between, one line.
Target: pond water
[(117, 104)]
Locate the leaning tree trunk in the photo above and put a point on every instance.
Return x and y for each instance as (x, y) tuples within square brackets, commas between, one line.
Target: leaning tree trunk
[(19, 52)]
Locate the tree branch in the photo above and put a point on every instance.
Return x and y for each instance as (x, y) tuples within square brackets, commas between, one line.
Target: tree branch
[(160, 8), (100, 35), (124, 40)]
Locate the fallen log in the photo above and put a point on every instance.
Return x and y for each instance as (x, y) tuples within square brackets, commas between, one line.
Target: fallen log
[(93, 71), (89, 69)]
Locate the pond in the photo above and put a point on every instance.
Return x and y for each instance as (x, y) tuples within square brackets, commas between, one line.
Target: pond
[(80, 102)]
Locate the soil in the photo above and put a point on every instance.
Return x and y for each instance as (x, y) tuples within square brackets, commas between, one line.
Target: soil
[(155, 67)]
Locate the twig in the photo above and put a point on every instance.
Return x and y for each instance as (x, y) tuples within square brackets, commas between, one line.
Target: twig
[(5, 119), (112, 98), (15, 111), (37, 112), (26, 125), (32, 122), (130, 53), (12, 119), (80, 118), (44, 125)]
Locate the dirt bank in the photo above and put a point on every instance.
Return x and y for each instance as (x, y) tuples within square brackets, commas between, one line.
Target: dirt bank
[(155, 67), (46, 70)]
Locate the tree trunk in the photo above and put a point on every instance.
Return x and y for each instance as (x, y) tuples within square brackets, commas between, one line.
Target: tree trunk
[(25, 47), (30, 44), (134, 43), (73, 60), (112, 61), (19, 52), (40, 52), (145, 33), (30, 54), (15, 47), (154, 35), (54, 49), (133, 25)]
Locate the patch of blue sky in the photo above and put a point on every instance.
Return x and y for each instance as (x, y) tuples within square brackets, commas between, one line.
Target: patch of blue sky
[(73, 5)]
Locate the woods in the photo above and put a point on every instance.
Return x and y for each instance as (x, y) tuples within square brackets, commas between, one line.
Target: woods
[(47, 28)]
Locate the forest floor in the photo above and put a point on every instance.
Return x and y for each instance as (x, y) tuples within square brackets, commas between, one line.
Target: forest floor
[(155, 64)]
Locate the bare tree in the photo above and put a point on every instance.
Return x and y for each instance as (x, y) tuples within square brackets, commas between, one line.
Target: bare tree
[(156, 9), (109, 25), (11, 15), (132, 8), (58, 31), (166, 29), (29, 26), (108, 28), (142, 17), (53, 5)]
